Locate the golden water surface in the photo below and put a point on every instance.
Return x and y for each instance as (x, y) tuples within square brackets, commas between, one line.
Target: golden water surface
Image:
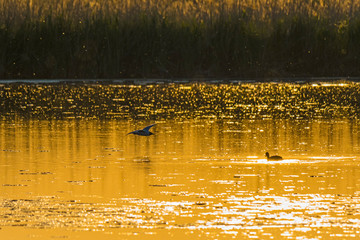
[(193, 179)]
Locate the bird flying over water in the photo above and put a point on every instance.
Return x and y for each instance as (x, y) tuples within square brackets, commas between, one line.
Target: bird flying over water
[(268, 157), (143, 132)]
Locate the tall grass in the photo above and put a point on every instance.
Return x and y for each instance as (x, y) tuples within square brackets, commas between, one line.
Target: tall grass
[(178, 38)]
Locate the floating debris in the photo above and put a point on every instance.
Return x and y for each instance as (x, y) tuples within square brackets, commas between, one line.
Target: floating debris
[(14, 185), (35, 173)]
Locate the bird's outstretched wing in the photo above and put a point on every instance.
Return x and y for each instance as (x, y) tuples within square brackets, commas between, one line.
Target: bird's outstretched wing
[(146, 129)]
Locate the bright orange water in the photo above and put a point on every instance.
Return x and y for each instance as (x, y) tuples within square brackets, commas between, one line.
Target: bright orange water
[(194, 179)]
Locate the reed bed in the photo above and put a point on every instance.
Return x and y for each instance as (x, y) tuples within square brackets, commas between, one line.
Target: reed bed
[(180, 38)]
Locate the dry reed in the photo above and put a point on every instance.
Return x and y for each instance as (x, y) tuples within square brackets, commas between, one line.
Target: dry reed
[(183, 38)]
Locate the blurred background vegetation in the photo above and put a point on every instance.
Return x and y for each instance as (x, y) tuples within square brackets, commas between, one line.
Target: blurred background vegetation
[(179, 38)]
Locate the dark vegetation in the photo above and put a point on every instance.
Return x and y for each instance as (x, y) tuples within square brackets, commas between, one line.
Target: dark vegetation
[(179, 38)]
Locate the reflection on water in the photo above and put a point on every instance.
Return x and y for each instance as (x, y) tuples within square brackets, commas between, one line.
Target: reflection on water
[(198, 179), (237, 100)]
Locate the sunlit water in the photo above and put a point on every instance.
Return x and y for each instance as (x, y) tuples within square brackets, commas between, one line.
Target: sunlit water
[(193, 179), (203, 175), (157, 100)]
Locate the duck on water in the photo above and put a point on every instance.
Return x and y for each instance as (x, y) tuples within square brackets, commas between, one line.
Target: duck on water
[(273, 158)]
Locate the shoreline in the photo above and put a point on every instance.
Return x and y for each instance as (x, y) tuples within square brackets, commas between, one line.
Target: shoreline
[(149, 81)]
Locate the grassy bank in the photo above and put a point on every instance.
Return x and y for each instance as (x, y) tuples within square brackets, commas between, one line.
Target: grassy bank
[(170, 39)]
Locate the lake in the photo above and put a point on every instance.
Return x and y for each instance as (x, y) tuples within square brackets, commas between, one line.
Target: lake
[(72, 175)]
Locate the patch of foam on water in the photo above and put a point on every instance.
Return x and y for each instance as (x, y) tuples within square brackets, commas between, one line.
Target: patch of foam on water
[(265, 161), (332, 158)]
